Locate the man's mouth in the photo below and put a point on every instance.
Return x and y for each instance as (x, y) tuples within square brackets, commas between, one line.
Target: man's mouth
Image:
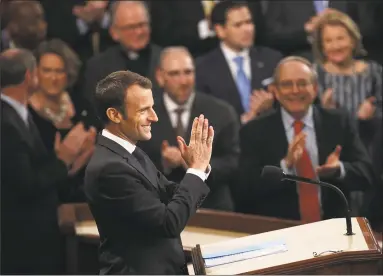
[(297, 99), (147, 128)]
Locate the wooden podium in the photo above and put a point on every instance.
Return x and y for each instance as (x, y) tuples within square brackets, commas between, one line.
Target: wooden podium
[(206, 226), (315, 248)]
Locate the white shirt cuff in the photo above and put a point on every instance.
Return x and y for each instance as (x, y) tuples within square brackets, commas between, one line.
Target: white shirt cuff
[(342, 171), (285, 168), (82, 26), (203, 175)]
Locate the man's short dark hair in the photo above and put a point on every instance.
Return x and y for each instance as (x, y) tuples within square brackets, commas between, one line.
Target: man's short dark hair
[(13, 66), (222, 8), (111, 91)]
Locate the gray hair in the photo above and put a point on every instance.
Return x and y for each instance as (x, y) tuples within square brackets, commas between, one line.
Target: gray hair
[(298, 59)]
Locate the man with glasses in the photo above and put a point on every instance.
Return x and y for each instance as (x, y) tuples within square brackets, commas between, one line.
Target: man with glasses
[(176, 107), (130, 27), (305, 140)]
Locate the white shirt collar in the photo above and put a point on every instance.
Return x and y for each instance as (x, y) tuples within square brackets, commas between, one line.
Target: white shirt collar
[(171, 106), (123, 143), (19, 107), (230, 54), (288, 120)]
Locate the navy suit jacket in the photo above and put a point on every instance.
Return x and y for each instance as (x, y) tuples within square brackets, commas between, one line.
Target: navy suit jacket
[(213, 75)]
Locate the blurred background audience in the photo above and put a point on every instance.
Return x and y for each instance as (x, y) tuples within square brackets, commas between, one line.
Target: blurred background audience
[(219, 58)]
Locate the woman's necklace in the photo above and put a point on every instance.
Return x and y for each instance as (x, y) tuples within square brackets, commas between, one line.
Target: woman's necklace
[(56, 117)]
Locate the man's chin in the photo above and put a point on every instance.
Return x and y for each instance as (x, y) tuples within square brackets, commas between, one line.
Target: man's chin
[(146, 136)]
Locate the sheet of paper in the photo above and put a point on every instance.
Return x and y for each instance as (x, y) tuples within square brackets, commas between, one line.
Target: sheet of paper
[(210, 262)]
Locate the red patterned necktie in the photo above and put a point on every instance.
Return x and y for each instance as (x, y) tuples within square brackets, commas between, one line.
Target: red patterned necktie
[(308, 194)]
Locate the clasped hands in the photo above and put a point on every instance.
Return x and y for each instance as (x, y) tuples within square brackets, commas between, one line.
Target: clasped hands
[(76, 148), (260, 101), (197, 154), (295, 152)]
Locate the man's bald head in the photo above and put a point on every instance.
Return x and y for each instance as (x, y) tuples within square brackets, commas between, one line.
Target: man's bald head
[(176, 73), (173, 52), (14, 64)]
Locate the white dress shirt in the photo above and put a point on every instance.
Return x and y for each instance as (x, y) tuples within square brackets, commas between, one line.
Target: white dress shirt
[(311, 141), (229, 55), (171, 107), (19, 107), (131, 147)]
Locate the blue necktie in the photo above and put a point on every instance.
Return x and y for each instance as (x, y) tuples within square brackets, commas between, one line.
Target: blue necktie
[(243, 83), (319, 5)]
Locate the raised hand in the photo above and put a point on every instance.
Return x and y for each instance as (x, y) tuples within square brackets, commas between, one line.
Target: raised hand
[(68, 149), (198, 153), (85, 153), (171, 156), (327, 100), (295, 150), (367, 109), (332, 165)]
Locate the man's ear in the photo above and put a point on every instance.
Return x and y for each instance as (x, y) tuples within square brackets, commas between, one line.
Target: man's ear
[(114, 115), (114, 33), (219, 31), (159, 77)]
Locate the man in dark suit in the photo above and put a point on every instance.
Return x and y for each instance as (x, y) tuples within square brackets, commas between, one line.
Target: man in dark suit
[(30, 176), (305, 140), (177, 106), (139, 213), (25, 26), (236, 72), (130, 27), (187, 23), (289, 24)]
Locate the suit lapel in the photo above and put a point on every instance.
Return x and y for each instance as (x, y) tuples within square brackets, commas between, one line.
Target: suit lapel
[(116, 148), (29, 136), (279, 131), (256, 65), (223, 69), (320, 131), (165, 124)]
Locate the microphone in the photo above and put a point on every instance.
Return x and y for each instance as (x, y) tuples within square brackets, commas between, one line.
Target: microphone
[(275, 174)]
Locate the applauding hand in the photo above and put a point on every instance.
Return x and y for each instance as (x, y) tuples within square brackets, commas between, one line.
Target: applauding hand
[(198, 153)]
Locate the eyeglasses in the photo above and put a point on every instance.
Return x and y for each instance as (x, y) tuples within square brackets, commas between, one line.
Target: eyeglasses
[(288, 85), (133, 27)]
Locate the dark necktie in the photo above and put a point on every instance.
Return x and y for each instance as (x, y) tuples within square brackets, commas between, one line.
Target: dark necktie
[(180, 130), (140, 156), (146, 164)]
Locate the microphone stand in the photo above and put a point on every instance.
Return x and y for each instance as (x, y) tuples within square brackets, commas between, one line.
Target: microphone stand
[(324, 184)]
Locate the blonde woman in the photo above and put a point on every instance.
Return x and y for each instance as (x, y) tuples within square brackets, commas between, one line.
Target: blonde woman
[(345, 81)]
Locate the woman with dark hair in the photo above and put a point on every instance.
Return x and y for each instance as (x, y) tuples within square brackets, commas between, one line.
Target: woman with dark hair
[(54, 112)]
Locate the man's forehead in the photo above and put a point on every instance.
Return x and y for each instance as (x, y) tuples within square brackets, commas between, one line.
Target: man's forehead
[(233, 16), (295, 68), (177, 60)]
